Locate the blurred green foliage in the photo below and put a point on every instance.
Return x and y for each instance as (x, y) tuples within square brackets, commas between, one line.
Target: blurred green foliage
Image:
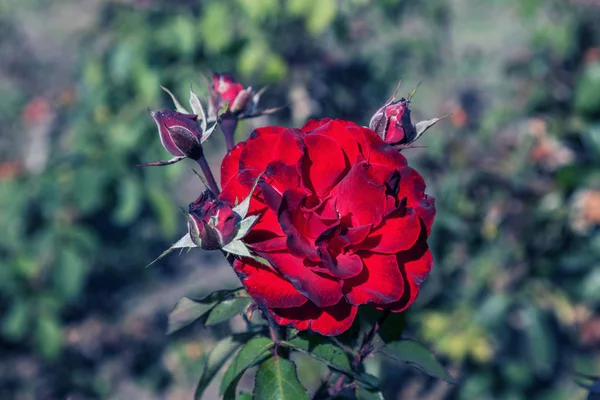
[(512, 303)]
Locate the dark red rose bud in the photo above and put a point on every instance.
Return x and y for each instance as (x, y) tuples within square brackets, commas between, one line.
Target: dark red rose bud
[(392, 123), (212, 223), (180, 134)]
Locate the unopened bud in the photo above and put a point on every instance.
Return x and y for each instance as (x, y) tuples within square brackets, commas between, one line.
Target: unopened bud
[(212, 223), (392, 123), (180, 134)]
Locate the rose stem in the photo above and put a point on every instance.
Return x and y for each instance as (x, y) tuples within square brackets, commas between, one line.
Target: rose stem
[(210, 179), (363, 352), (228, 126)]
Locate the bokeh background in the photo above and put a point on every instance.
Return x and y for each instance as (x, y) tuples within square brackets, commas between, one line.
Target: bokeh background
[(511, 306)]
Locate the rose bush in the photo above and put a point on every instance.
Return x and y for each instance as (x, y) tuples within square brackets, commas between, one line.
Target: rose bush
[(343, 222)]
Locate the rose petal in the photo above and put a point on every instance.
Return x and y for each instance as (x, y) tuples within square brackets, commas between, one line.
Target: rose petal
[(337, 130), (234, 192), (231, 163), (329, 321), (313, 124), (426, 211), (266, 145), (282, 176), (288, 219), (415, 265), (343, 266), (266, 286), (322, 290), (379, 282), (395, 234), (355, 235), (335, 320), (360, 195), (381, 152), (324, 164), (412, 186)]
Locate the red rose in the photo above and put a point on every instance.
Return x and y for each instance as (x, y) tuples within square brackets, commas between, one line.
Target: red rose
[(343, 222)]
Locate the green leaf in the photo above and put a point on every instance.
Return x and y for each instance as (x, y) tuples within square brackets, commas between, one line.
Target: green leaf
[(324, 350), (216, 359), (392, 327), (185, 312), (276, 379), (227, 309), (248, 356), (416, 354), (191, 308), (364, 393)]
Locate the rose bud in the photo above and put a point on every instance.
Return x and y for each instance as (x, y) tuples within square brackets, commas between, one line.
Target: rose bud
[(212, 223), (180, 134), (392, 123), (224, 89)]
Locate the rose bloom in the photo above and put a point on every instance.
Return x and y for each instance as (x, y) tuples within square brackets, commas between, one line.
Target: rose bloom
[(343, 222)]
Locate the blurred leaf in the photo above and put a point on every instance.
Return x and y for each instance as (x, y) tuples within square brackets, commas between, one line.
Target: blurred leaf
[(167, 214), (321, 15), (363, 393), (69, 273), (187, 311), (48, 336), (15, 321), (276, 379), (129, 201), (216, 26), (248, 356), (417, 355), (216, 359), (542, 354), (587, 91), (227, 309)]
